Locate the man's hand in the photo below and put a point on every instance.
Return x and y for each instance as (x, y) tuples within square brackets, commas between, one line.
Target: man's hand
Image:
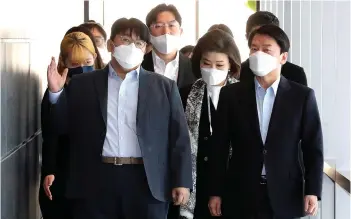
[(311, 205), (49, 179), (180, 195), (215, 205)]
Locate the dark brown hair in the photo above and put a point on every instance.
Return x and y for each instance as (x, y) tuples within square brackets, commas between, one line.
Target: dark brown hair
[(152, 15), (260, 18), (221, 42), (93, 25), (223, 27)]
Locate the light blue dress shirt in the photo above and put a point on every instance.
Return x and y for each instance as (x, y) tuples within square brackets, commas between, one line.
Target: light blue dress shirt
[(265, 101), (122, 101)]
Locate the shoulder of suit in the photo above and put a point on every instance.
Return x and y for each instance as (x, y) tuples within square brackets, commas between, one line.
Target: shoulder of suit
[(185, 60), (245, 63), (88, 76), (235, 87), (297, 87), (157, 77), (292, 66)]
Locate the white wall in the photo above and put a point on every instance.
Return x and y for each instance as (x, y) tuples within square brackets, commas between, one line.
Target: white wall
[(233, 13), (320, 37)]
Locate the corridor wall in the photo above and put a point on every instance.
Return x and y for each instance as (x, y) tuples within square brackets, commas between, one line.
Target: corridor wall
[(30, 33), (320, 33)]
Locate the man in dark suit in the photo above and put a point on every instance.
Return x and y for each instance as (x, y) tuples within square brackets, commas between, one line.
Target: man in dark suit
[(268, 122), (164, 22), (289, 71), (129, 142)]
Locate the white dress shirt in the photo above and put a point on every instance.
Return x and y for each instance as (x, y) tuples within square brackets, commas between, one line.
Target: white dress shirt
[(213, 92), (122, 101), (169, 70), (265, 101)]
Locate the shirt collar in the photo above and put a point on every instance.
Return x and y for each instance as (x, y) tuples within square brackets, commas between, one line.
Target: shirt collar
[(112, 72), (156, 59), (274, 86)]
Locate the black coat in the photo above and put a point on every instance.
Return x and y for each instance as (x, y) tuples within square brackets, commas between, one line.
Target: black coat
[(204, 149), (294, 126)]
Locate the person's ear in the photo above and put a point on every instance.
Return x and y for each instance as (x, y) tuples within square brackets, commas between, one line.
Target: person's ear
[(110, 46), (283, 58)]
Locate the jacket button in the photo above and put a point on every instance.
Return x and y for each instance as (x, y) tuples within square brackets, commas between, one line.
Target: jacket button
[(205, 158), (264, 151), (205, 138)]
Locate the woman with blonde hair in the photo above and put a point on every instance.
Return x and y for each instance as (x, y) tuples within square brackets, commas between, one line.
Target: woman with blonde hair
[(78, 54)]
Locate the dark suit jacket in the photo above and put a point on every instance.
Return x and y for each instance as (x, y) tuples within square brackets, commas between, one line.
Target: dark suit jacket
[(185, 73), (289, 71), (294, 125), (54, 147), (161, 129)]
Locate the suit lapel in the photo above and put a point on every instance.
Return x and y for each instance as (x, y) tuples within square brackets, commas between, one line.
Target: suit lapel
[(280, 105), (148, 63), (181, 70), (101, 87), (145, 81), (249, 99)]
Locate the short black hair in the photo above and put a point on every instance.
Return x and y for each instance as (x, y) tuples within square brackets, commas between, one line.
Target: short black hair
[(92, 24), (133, 25), (217, 41), (260, 18), (223, 27), (187, 49), (274, 32), (152, 15)]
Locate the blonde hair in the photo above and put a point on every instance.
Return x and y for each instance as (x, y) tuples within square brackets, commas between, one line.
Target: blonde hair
[(75, 42)]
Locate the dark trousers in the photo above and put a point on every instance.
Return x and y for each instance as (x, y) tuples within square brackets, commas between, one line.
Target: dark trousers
[(262, 210), (201, 210), (123, 194), (57, 208)]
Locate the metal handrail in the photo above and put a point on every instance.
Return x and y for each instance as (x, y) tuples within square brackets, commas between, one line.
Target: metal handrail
[(337, 177)]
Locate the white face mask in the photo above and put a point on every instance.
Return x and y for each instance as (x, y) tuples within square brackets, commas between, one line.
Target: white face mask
[(128, 56), (262, 63), (166, 43), (105, 56), (213, 76)]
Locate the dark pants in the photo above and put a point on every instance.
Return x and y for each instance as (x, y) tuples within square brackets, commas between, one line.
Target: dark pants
[(57, 208), (262, 210), (123, 194)]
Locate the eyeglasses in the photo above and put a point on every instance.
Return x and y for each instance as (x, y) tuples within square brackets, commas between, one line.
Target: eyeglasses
[(128, 40), (172, 25), (99, 41)]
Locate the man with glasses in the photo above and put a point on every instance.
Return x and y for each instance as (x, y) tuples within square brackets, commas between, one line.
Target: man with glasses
[(129, 142), (164, 22), (100, 38)]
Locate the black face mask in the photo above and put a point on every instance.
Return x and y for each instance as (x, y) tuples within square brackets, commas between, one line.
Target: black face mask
[(79, 70)]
